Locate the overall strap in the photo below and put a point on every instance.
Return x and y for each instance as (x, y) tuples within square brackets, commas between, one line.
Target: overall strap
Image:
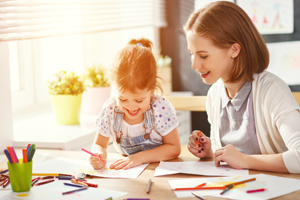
[(118, 123)]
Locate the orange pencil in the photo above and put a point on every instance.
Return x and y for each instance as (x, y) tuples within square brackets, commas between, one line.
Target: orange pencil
[(200, 188), (199, 134), (24, 156)]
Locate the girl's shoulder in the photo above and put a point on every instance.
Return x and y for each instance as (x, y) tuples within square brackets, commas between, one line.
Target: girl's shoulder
[(164, 115)]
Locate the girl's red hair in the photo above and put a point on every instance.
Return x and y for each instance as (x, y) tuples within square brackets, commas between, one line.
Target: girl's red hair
[(135, 67)]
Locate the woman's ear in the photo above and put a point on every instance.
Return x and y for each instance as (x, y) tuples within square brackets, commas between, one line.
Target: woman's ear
[(235, 50)]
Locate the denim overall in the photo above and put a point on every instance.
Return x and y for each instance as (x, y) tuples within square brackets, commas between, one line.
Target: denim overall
[(138, 143)]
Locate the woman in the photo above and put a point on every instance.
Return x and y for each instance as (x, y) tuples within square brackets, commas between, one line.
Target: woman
[(255, 121)]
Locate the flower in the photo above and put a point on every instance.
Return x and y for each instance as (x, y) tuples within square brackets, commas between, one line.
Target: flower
[(65, 83), (95, 77)]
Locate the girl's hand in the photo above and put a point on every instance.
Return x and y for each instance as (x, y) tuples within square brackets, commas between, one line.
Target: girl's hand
[(127, 162), (203, 150), (98, 162), (231, 156)]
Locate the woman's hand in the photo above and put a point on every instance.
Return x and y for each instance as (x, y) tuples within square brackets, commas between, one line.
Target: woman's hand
[(203, 150), (98, 162), (127, 162), (231, 156)]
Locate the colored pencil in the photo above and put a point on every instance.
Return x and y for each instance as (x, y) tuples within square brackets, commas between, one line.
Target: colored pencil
[(197, 195), (35, 179), (28, 151), (4, 171), (148, 186), (72, 191), (74, 185), (199, 134), (89, 184), (200, 188), (79, 182), (13, 155), (24, 156), (8, 155), (241, 182), (44, 174), (6, 184), (256, 190), (89, 152), (226, 189), (45, 182), (47, 177), (34, 182)]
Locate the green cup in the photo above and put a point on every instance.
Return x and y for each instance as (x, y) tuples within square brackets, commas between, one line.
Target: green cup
[(20, 175)]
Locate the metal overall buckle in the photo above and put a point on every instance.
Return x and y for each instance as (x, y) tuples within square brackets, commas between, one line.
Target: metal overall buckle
[(148, 122)]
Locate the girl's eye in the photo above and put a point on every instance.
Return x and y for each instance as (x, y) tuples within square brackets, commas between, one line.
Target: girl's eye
[(139, 101)]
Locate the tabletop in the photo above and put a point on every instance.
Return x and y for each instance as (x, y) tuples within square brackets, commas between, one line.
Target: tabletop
[(160, 188)]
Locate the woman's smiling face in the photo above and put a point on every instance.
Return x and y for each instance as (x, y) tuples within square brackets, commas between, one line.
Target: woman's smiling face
[(208, 60)]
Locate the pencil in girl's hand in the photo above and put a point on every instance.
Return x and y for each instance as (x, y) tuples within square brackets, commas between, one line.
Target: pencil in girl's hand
[(90, 152), (199, 134)]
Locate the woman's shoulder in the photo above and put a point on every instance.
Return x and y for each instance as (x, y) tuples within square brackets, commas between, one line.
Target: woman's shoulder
[(268, 81)]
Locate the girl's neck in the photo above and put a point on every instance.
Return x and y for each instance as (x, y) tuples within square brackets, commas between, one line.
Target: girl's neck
[(233, 88), (133, 121)]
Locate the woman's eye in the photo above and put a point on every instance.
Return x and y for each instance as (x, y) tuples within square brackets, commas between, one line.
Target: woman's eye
[(203, 57), (122, 100)]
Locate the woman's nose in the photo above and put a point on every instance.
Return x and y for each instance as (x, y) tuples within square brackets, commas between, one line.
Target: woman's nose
[(195, 64)]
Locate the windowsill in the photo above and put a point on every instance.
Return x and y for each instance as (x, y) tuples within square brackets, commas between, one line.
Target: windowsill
[(41, 129)]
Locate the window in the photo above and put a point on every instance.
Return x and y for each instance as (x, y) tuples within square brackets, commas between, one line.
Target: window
[(69, 35)]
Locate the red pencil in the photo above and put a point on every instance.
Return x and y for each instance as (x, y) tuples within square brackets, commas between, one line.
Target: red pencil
[(45, 182), (6, 184), (256, 190)]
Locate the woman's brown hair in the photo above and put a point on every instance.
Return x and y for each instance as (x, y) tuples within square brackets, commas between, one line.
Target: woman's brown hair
[(135, 67), (225, 23)]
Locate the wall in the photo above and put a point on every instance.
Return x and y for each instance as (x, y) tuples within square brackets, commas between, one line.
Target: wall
[(6, 131), (174, 44)]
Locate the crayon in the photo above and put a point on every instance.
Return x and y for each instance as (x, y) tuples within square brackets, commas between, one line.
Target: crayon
[(28, 151), (47, 177), (31, 154), (79, 182), (13, 155), (44, 174), (2, 178), (65, 177), (72, 191)]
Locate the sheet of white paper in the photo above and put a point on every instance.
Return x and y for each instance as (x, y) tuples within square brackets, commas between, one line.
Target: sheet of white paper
[(70, 166), (207, 168), (276, 186), (112, 173), (54, 190)]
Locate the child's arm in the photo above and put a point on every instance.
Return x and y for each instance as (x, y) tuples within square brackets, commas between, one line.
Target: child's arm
[(99, 148), (170, 149)]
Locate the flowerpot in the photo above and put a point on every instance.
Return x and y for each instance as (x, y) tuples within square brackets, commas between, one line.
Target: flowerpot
[(67, 108), (93, 99)]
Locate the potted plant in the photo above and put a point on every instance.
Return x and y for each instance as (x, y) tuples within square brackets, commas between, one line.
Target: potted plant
[(66, 93), (97, 89)]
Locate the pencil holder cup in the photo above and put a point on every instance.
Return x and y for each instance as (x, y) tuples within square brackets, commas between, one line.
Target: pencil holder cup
[(20, 175)]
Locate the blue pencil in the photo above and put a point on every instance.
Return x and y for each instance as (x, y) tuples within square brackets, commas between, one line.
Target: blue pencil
[(7, 155), (74, 185), (4, 171)]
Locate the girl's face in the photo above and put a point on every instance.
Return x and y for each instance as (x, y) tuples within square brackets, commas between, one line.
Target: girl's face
[(208, 60), (134, 105)]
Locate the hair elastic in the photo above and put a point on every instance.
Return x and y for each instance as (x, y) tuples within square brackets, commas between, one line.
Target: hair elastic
[(139, 44)]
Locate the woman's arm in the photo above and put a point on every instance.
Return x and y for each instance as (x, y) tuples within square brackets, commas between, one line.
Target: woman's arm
[(238, 160), (170, 149)]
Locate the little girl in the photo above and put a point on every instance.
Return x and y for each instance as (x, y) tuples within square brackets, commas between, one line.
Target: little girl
[(143, 125)]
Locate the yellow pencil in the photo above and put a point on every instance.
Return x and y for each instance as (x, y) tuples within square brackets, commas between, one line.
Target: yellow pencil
[(44, 174)]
